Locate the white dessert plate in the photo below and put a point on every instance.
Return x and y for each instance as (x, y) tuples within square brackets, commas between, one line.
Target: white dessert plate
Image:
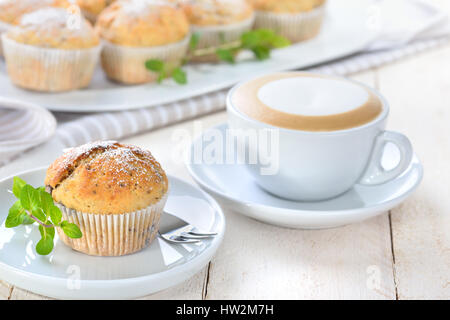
[(68, 274), (22, 126), (232, 185), (344, 32)]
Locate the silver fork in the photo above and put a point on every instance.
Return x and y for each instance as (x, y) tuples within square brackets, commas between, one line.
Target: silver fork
[(176, 230)]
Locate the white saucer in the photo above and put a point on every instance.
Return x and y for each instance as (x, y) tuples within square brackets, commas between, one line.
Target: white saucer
[(231, 184), (158, 267)]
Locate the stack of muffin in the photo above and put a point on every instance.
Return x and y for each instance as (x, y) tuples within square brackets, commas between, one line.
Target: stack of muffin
[(50, 45)]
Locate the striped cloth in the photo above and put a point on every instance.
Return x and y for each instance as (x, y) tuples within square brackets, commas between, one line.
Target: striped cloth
[(78, 129)]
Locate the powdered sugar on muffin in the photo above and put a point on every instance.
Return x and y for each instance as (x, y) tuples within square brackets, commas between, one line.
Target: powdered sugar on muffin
[(12, 10), (217, 12), (107, 178), (286, 6), (54, 28), (142, 23)]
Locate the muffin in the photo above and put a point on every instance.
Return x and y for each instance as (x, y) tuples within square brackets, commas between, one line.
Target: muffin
[(45, 53), (297, 20), (92, 8), (114, 192), (134, 31), (12, 10), (218, 22)]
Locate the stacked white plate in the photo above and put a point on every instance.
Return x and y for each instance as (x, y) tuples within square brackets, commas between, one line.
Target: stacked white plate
[(22, 126)]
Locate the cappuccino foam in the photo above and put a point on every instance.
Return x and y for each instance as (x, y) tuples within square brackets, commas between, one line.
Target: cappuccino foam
[(307, 102), (312, 96)]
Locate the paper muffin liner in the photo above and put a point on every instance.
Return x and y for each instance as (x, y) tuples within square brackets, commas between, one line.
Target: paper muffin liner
[(295, 27), (115, 234), (48, 69), (213, 36), (127, 64), (4, 27)]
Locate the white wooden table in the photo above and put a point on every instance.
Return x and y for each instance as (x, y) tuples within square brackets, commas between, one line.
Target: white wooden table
[(402, 254)]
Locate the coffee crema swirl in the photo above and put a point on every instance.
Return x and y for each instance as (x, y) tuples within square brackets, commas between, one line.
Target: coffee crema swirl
[(307, 102)]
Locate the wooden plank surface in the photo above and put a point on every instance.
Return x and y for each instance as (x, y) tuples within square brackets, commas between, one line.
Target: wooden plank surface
[(419, 93)]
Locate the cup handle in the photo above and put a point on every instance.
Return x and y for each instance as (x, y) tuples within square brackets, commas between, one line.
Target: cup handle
[(375, 173)]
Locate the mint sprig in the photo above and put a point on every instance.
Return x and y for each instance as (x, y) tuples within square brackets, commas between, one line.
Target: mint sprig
[(260, 42), (160, 68), (35, 205)]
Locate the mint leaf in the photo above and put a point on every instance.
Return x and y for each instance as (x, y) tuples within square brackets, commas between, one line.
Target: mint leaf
[(55, 215), (46, 200), (18, 184), (261, 41), (179, 76), (39, 213), (29, 197), (47, 232), (261, 53), (225, 55), (258, 37), (45, 246), (193, 42), (154, 65), (71, 230), (26, 219), (162, 76), (36, 205), (280, 42), (14, 218)]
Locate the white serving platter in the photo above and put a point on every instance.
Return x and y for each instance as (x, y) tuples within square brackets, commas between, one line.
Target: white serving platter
[(68, 274), (345, 32)]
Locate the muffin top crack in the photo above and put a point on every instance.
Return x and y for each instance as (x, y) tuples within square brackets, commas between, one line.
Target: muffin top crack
[(106, 177)]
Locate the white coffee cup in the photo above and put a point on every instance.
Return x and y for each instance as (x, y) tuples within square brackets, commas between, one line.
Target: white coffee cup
[(315, 166)]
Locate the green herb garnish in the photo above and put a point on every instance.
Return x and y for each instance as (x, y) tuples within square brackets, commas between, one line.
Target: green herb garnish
[(161, 69), (261, 42), (179, 75), (36, 205), (193, 42)]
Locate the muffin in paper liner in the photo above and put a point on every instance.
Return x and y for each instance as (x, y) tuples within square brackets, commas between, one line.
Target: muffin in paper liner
[(49, 69), (294, 26), (213, 36), (115, 234), (127, 64)]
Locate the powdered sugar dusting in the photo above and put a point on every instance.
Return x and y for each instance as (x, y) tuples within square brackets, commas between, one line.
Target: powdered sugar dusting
[(124, 164), (222, 11), (214, 5), (85, 150), (53, 27), (26, 4), (143, 7), (52, 19), (12, 10), (46, 16)]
